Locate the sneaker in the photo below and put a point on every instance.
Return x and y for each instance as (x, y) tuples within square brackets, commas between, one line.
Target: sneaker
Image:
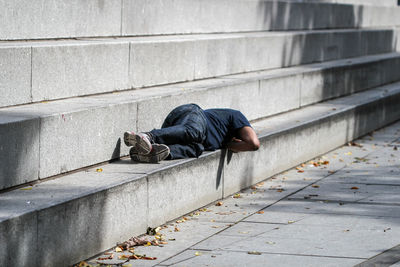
[(140, 141), (158, 153)]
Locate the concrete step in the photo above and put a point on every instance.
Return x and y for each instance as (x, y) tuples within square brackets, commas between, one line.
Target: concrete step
[(46, 139), (45, 70), (43, 19), (388, 3), (62, 221)]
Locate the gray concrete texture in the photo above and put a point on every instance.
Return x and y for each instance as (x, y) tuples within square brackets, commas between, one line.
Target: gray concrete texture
[(61, 69), (388, 3), (83, 131), (121, 199), (267, 227), (46, 19)]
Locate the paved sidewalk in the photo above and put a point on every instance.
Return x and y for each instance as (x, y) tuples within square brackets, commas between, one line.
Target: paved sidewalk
[(341, 209)]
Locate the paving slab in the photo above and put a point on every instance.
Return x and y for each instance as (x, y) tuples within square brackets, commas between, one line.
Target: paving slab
[(236, 258)]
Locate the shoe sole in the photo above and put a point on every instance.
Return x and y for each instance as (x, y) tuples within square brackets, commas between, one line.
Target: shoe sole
[(150, 158), (138, 142)]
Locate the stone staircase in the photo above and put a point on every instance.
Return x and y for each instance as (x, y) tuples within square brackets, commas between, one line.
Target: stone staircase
[(310, 75)]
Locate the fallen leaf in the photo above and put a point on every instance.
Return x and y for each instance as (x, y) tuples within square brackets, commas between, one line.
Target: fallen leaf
[(176, 229), (270, 243), (99, 170), (237, 195), (26, 188), (348, 153), (219, 203), (300, 171), (215, 226), (354, 188), (262, 183), (315, 186), (254, 187), (110, 257), (118, 249), (254, 253), (280, 190), (260, 212), (243, 232), (197, 253), (347, 230), (83, 264), (303, 165), (171, 239), (153, 231), (290, 222), (354, 144), (395, 148), (326, 162), (133, 241)]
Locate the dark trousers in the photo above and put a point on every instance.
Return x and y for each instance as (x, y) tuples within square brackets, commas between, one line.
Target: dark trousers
[(183, 131)]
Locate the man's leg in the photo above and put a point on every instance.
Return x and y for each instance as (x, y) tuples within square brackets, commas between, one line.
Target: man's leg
[(184, 125), (178, 151)]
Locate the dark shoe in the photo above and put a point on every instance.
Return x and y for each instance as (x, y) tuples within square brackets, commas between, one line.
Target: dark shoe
[(158, 153), (140, 142)]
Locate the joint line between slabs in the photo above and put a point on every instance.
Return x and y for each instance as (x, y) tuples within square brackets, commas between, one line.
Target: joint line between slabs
[(292, 254)]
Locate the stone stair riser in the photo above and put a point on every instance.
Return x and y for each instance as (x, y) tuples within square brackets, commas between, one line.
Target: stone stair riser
[(54, 70), (42, 19)]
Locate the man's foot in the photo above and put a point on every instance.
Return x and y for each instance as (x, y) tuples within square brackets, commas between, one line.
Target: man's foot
[(158, 153), (141, 142)]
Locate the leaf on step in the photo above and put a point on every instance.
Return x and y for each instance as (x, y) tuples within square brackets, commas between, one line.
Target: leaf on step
[(176, 229), (348, 153), (99, 170), (354, 188), (237, 195), (110, 257), (260, 212), (27, 188), (83, 264), (197, 253), (254, 253), (315, 186), (219, 203)]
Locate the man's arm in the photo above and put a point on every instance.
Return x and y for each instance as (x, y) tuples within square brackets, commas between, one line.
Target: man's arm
[(248, 141)]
